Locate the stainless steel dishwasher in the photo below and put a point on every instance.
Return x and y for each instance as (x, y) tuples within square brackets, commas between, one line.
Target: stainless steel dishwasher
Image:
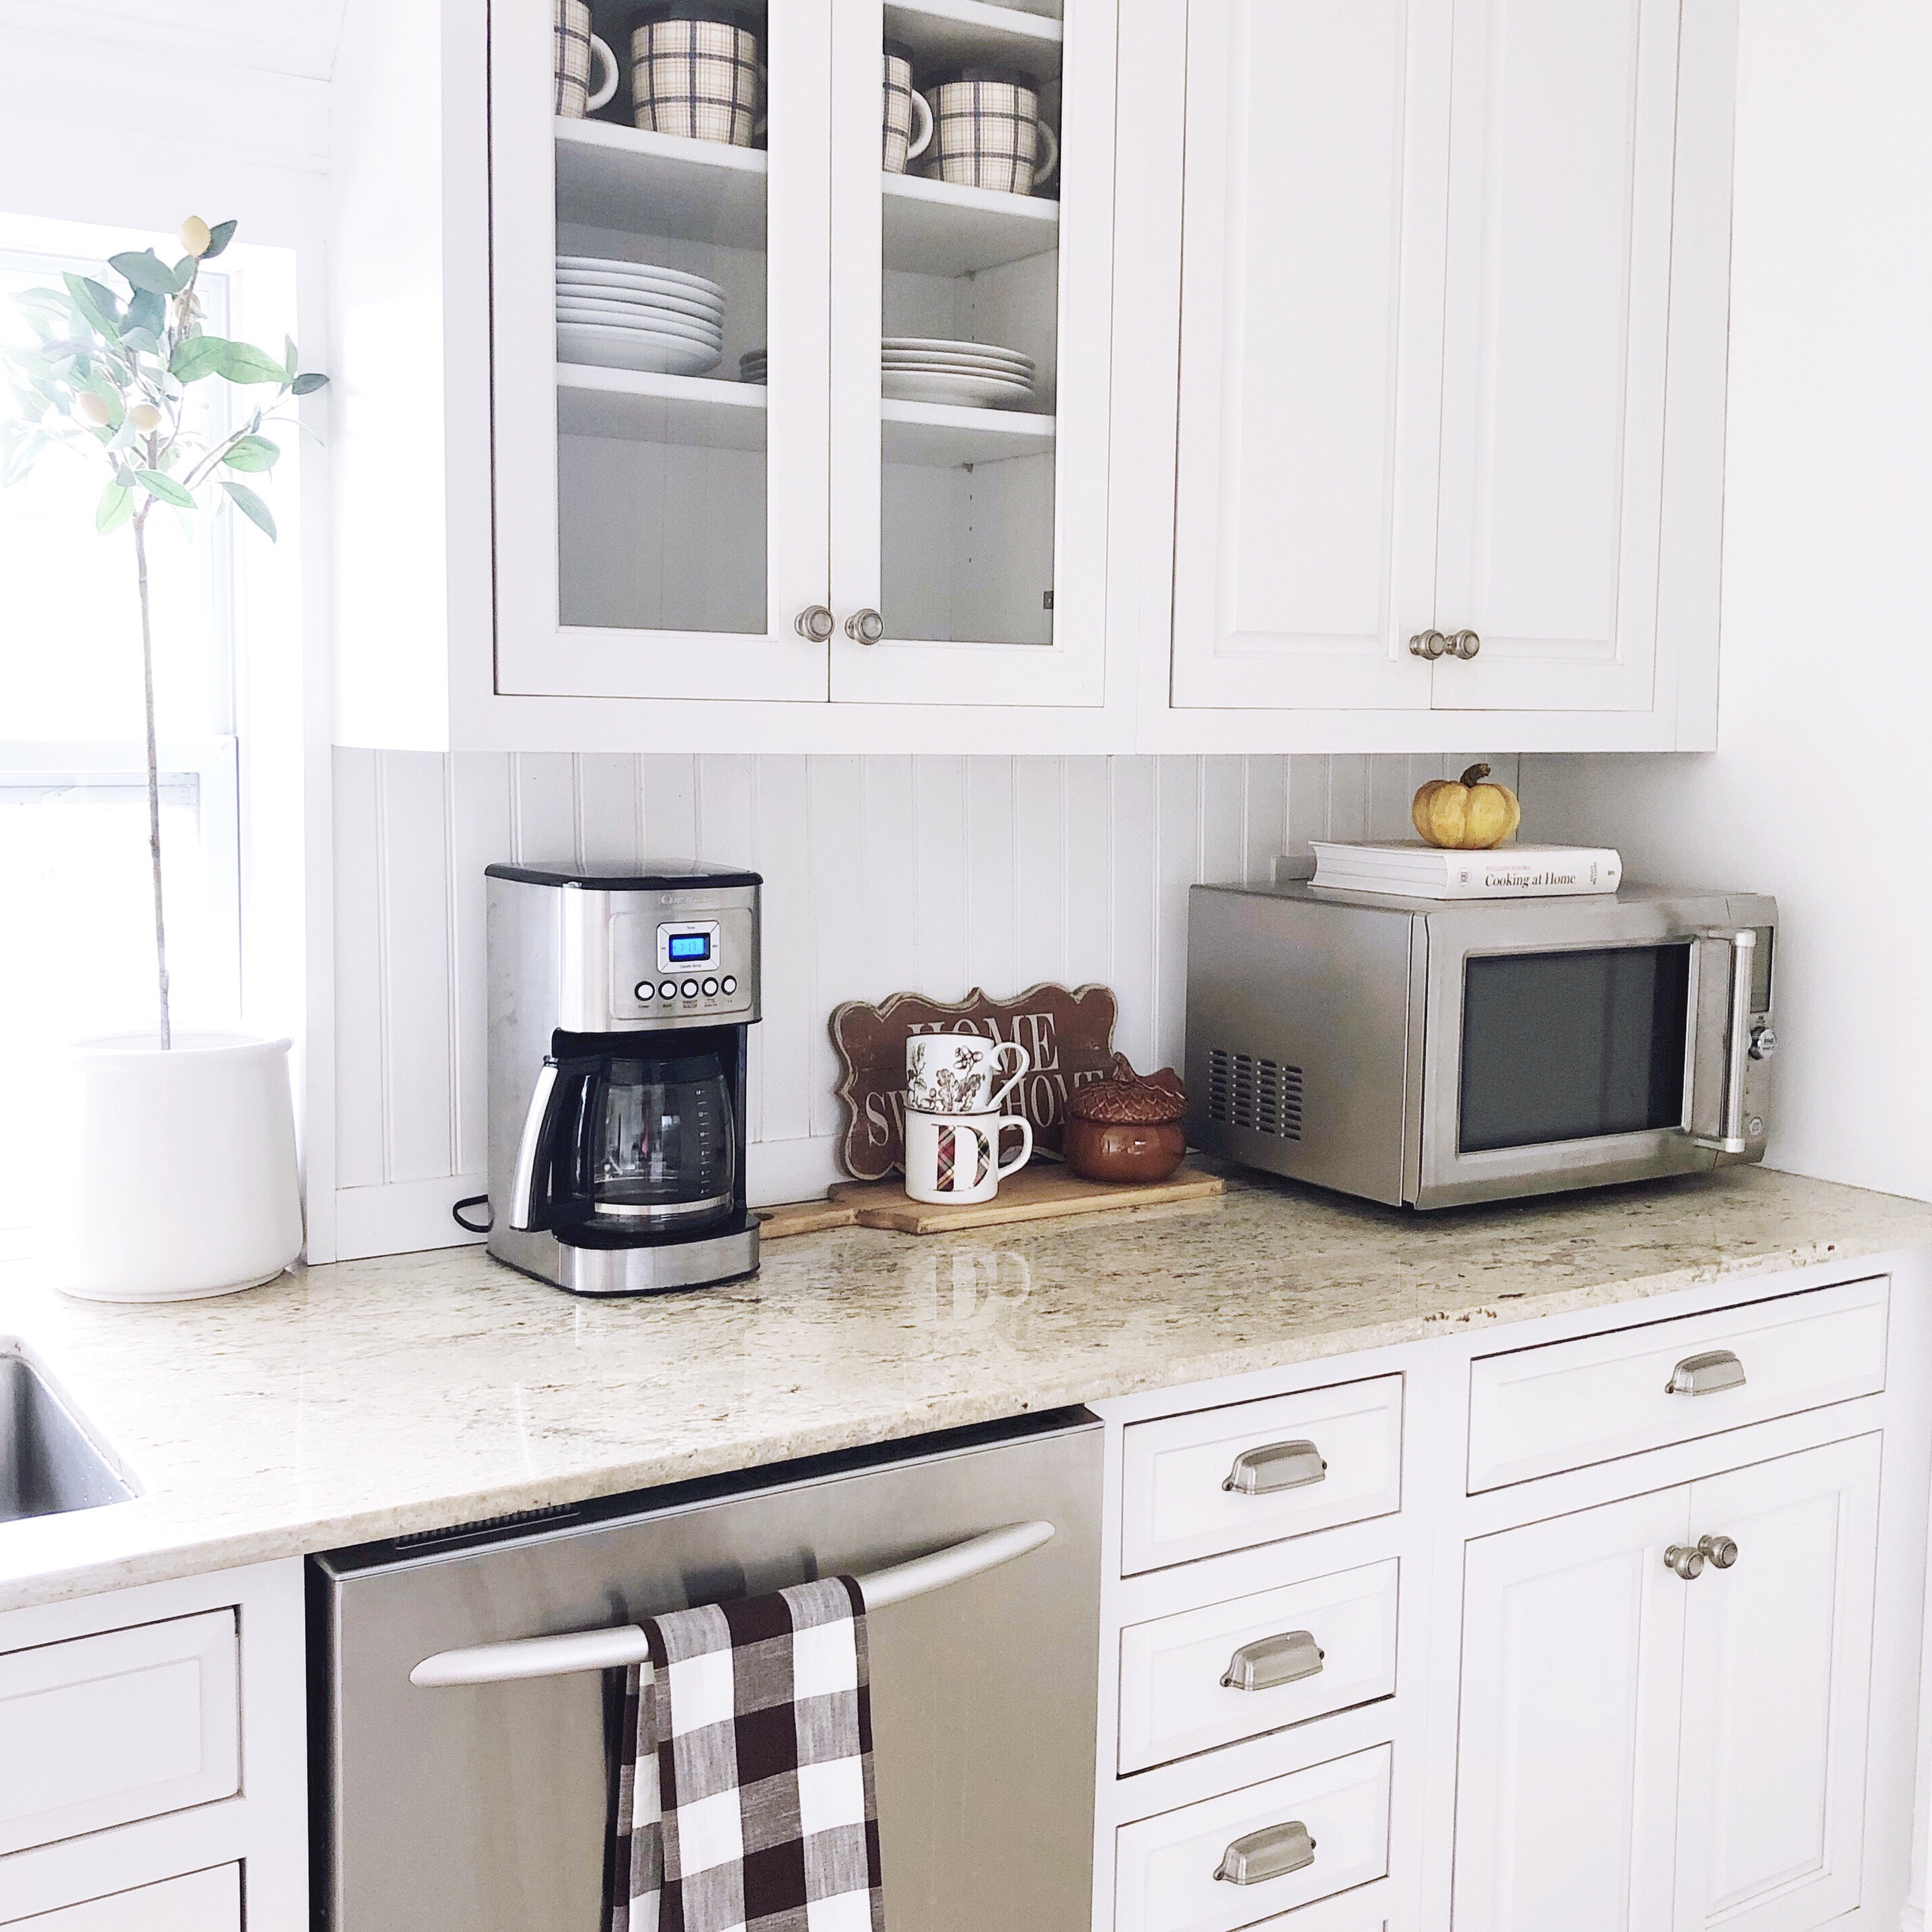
[(483, 1805)]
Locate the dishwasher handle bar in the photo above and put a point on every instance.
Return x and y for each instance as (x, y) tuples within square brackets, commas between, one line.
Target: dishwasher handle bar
[(613, 1649)]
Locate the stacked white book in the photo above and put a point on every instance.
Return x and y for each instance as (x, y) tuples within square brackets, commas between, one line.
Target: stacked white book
[(1412, 870)]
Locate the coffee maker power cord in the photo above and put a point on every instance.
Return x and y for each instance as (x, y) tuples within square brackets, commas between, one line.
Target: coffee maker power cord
[(470, 1227)]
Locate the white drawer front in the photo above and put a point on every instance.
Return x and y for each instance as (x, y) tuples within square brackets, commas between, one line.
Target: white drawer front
[(204, 1901), (1173, 1701), (1568, 1404), (1164, 1867), (1174, 1503), (102, 1730)]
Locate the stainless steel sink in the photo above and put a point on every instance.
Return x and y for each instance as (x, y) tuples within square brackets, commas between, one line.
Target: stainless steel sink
[(49, 1463)]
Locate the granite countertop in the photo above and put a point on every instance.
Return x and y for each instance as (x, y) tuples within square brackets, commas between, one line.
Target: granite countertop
[(375, 1398)]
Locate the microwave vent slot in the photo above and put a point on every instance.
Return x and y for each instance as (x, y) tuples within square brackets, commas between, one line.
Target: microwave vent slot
[(1262, 1095)]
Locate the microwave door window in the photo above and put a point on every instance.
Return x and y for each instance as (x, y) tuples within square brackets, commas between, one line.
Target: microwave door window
[(1569, 1046)]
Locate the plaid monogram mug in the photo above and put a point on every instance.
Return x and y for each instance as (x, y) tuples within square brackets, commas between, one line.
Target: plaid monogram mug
[(953, 1159), (696, 70), (987, 131), (577, 50)]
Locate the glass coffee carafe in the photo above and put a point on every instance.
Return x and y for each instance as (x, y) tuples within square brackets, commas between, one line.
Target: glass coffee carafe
[(641, 1142)]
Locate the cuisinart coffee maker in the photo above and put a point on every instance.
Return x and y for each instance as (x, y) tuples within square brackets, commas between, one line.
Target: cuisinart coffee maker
[(618, 1006)]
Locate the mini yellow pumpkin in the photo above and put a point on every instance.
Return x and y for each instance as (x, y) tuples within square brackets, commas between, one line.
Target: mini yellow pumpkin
[(1466, 814)]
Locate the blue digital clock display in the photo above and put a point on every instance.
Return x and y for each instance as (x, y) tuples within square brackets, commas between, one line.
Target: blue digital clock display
[(688, 949)]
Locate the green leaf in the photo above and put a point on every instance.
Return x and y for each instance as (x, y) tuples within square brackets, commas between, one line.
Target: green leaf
[(144, 339), (148, 311), (165, 488), (289, 357), (252, 507), (144, 271), (22, 456), (197, 356), (243, 362), (253, 452), (307, 385), (115, 507), (96, 304), (219, 237), (185, 272)]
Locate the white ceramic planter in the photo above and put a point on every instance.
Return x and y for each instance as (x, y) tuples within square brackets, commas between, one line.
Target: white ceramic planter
[(178, 1169)]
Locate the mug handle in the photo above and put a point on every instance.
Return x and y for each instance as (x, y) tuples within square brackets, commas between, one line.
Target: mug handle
[(1019, 1072), (598, 51), (1041, 176), (1000, 1170), (921, 116)]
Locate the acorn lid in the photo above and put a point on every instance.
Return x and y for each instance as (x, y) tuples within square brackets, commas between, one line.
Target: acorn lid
[(1124, 1098)]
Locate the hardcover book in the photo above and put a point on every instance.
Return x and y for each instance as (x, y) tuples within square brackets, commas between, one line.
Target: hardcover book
[(1412, 870)]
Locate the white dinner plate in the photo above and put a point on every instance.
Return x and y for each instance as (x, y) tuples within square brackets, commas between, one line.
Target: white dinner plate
[(1005, 359), (964, 365), (601, 264), (632, 349), (942, 342), (908, 385), (700, 307), (671, 331), (616, 317)]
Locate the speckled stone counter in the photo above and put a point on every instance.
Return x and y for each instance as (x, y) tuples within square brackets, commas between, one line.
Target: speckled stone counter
[(378, 1397)]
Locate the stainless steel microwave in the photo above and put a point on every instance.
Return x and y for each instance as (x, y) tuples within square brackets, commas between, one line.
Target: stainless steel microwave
[(1432, 1052)]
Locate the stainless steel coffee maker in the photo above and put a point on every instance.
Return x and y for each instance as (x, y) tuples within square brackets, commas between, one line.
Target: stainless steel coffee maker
[(618, 1007)]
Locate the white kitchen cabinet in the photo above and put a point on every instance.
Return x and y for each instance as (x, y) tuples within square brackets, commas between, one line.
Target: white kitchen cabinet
[(1638, 1750), (1437, 260), (661, 553)]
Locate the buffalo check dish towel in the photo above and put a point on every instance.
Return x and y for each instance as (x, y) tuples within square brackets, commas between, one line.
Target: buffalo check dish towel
[(745, 1800)]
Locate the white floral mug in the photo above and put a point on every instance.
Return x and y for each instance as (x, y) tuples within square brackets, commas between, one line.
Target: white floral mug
[(955, 1072), (953, 1159)]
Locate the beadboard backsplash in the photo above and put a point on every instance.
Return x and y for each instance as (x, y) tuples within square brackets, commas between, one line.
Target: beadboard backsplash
[(881, 873)]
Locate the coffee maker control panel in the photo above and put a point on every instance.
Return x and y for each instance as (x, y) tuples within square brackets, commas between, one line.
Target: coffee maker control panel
[(702, 968)]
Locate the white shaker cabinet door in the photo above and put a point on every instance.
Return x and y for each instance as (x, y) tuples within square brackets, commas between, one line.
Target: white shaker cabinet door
[(1776, 1667), (1557, 322), (1572, 1634), (1310, 351)]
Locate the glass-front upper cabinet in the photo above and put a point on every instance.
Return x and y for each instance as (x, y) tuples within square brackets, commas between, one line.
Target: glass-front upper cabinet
[(659, 220), (799, 325), (971, 301)]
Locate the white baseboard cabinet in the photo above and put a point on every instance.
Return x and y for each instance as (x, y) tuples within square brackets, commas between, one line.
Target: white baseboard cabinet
[(153, 1758), (1615, 1659)]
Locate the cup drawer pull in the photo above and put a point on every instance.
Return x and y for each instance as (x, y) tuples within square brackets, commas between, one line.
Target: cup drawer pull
[(1276, 1465), (1706, 1374), (1273, 1852), (1270, 1660)]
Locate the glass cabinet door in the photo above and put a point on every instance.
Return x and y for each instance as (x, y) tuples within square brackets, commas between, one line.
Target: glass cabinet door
[(972, 163), (660, 221)]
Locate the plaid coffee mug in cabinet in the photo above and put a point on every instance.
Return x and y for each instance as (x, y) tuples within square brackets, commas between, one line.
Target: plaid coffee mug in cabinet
[(577, 50), (696, 70), (987, 131), (905, 111)]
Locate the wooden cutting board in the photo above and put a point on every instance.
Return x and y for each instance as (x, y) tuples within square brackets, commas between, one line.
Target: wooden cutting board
[(1041, 1192), (803, 1217)]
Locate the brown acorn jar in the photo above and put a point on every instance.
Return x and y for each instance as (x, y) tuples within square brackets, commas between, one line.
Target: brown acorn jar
[(1127, 1129)]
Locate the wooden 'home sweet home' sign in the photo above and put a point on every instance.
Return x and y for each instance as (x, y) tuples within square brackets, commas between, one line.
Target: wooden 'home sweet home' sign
[(1068, 1035)]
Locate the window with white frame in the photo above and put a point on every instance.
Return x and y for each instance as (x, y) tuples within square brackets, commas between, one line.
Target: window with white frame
[(75, 899)]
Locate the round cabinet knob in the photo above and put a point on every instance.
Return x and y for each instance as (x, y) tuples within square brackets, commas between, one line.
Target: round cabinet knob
[(1464, 644), (1721, 1549), (865, 627), (1686, 1561), (1763, 1043), (1429, 644), (816, 622)]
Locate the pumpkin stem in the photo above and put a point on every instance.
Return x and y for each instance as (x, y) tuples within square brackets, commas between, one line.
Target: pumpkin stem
[(1474, 774)]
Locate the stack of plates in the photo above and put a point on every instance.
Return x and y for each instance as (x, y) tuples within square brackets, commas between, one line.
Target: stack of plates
[(751, 366), (921, 369), (629, 315)]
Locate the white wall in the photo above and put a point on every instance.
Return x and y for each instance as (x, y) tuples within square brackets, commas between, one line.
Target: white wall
[(882, 874), (1816, 792)]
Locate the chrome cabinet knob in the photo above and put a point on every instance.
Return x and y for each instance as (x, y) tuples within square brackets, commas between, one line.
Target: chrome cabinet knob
[(1270, 1660), (865, 627), (1763, 1043), (1429, 644), (1276, 1465), (1686, 1559), (816, 622), (1708, 1374), (1722, 1552), (1464, 644), (1271, 1853)]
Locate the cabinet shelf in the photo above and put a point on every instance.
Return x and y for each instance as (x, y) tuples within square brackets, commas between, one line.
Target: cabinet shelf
[(944, 436), (935, 228), (698, 411), (959, 30), (626, 179)]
